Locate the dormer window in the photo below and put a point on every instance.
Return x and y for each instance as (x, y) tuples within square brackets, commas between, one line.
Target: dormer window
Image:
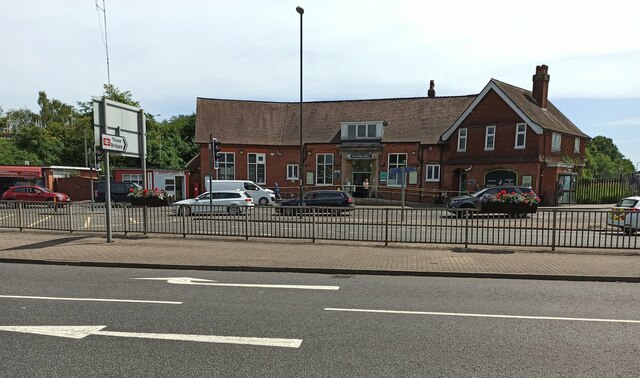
[(361, 130)]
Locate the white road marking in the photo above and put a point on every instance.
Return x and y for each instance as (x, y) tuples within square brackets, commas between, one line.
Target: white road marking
[(79, 332), (40, 221), (484, 315), (204, 282), (88, 299)]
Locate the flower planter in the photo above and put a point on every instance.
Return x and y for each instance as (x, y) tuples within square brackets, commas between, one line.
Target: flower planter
[(508, 208), (150, 201)]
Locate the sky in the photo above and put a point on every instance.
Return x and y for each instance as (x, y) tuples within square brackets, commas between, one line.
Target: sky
[(168, 53)]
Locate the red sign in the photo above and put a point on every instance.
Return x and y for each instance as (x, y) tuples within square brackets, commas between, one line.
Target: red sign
[(22, 172)]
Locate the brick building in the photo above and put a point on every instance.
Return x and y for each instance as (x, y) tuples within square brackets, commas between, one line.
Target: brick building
[(453, 144)]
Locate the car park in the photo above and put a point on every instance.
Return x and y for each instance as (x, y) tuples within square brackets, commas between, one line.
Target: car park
[(232, 202), (333, 201), (626, 215), (119, 191), (473, 201), (33, 193)]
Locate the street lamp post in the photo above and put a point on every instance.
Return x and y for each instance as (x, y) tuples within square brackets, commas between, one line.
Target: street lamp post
[(300, 170)]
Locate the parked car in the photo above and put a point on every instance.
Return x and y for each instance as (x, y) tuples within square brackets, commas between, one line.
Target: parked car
[(472, 201), (232, 202), (260, 195), (318, 199), (626, 215), (119, 191), (33, 193)]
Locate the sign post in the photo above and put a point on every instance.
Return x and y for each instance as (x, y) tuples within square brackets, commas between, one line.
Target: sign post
[(116, 127), (401, 172)]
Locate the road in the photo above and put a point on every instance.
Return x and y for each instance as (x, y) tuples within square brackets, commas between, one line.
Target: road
[(194, 323)]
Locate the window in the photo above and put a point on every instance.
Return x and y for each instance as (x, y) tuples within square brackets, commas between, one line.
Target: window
[(292, 171), (324, 169), (364, 130), (576, 145), (257, 168), (433, 172), (227, 166), (169, 184), (133, 178), (556, 141), (521, 135), (462, 140), (490, 138), (396, 161)]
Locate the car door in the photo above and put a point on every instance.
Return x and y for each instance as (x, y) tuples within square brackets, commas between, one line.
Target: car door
[(20, 194)]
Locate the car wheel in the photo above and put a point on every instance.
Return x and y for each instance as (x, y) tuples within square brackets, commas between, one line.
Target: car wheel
[(184, 210), (629, 231), (263, 201), (233, 210)]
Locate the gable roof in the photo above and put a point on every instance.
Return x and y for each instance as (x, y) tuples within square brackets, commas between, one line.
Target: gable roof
[(522, 102), (419, 119)]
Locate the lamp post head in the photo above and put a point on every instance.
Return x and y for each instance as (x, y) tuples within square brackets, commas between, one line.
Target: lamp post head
[(300, 10)]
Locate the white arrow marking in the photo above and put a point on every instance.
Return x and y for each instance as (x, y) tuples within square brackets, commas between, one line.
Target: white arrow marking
[(79, 332), (88, 299), (200, 281), (483, 315)]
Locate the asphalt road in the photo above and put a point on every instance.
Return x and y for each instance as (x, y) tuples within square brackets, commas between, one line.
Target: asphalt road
[(317, 325)]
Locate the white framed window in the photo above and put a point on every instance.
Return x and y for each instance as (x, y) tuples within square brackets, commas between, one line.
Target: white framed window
[(556, 141), (227, 166), (521, 135), (292, 171), (462, 140), (432, 173), (257, 168), (576, 145), (324, 169), (395, 161), (490, 138), (361, 130), (137, 178), (170, 184)]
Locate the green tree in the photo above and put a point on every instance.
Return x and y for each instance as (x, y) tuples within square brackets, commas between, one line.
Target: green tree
[(604, 160)]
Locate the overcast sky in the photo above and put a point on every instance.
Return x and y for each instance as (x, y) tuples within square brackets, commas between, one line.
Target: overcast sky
[(167, 53)]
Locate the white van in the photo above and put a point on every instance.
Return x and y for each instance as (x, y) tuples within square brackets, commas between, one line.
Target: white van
[(260, 196)]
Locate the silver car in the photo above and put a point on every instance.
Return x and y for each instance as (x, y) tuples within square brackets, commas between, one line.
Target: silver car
[(232, 202), (626, 215)]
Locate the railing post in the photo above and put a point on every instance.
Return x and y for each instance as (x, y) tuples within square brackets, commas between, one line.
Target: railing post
[(553, 231), (466, 228), (313, 224), (144, 220), (20, 216), (124, 220), (184, 222), (386, 227), (70, 207), (246, 224)]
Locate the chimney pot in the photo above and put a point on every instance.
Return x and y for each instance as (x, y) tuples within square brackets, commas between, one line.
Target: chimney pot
[(432, 92)]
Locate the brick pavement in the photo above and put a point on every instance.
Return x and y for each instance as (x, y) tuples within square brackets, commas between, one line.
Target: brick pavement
[(213, 253)]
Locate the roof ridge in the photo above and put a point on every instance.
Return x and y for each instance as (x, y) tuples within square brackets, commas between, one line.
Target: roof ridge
[(510, 85), (335, 101)]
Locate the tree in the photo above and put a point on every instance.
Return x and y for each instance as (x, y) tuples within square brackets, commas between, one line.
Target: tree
[(604, 160)]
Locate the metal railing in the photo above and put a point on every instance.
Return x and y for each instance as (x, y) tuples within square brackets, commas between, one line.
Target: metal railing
[(549, 227)]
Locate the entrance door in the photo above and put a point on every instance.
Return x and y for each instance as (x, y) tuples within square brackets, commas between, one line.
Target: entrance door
[(566, 189), (463, 182), (180, 187), (361, 169)]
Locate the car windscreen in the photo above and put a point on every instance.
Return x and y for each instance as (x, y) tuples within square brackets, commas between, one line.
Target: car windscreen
[(628, 203)]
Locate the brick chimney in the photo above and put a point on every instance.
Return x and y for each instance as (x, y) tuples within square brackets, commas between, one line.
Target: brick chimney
[(432, 92), (541, 86)]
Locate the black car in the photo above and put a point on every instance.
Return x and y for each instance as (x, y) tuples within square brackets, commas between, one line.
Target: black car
[(319, 201), (119, 191), (472, 201)]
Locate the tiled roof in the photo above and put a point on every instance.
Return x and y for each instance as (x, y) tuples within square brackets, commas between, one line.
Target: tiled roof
[(549, 118), (420, 119)]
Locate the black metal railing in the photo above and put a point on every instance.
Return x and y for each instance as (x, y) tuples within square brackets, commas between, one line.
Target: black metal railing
[(548, 228)]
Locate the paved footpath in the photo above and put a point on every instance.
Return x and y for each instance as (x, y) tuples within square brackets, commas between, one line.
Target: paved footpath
[(213, 253)]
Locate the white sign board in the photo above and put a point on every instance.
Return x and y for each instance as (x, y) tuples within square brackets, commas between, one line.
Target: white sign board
[(114, 143), (123, 126)]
